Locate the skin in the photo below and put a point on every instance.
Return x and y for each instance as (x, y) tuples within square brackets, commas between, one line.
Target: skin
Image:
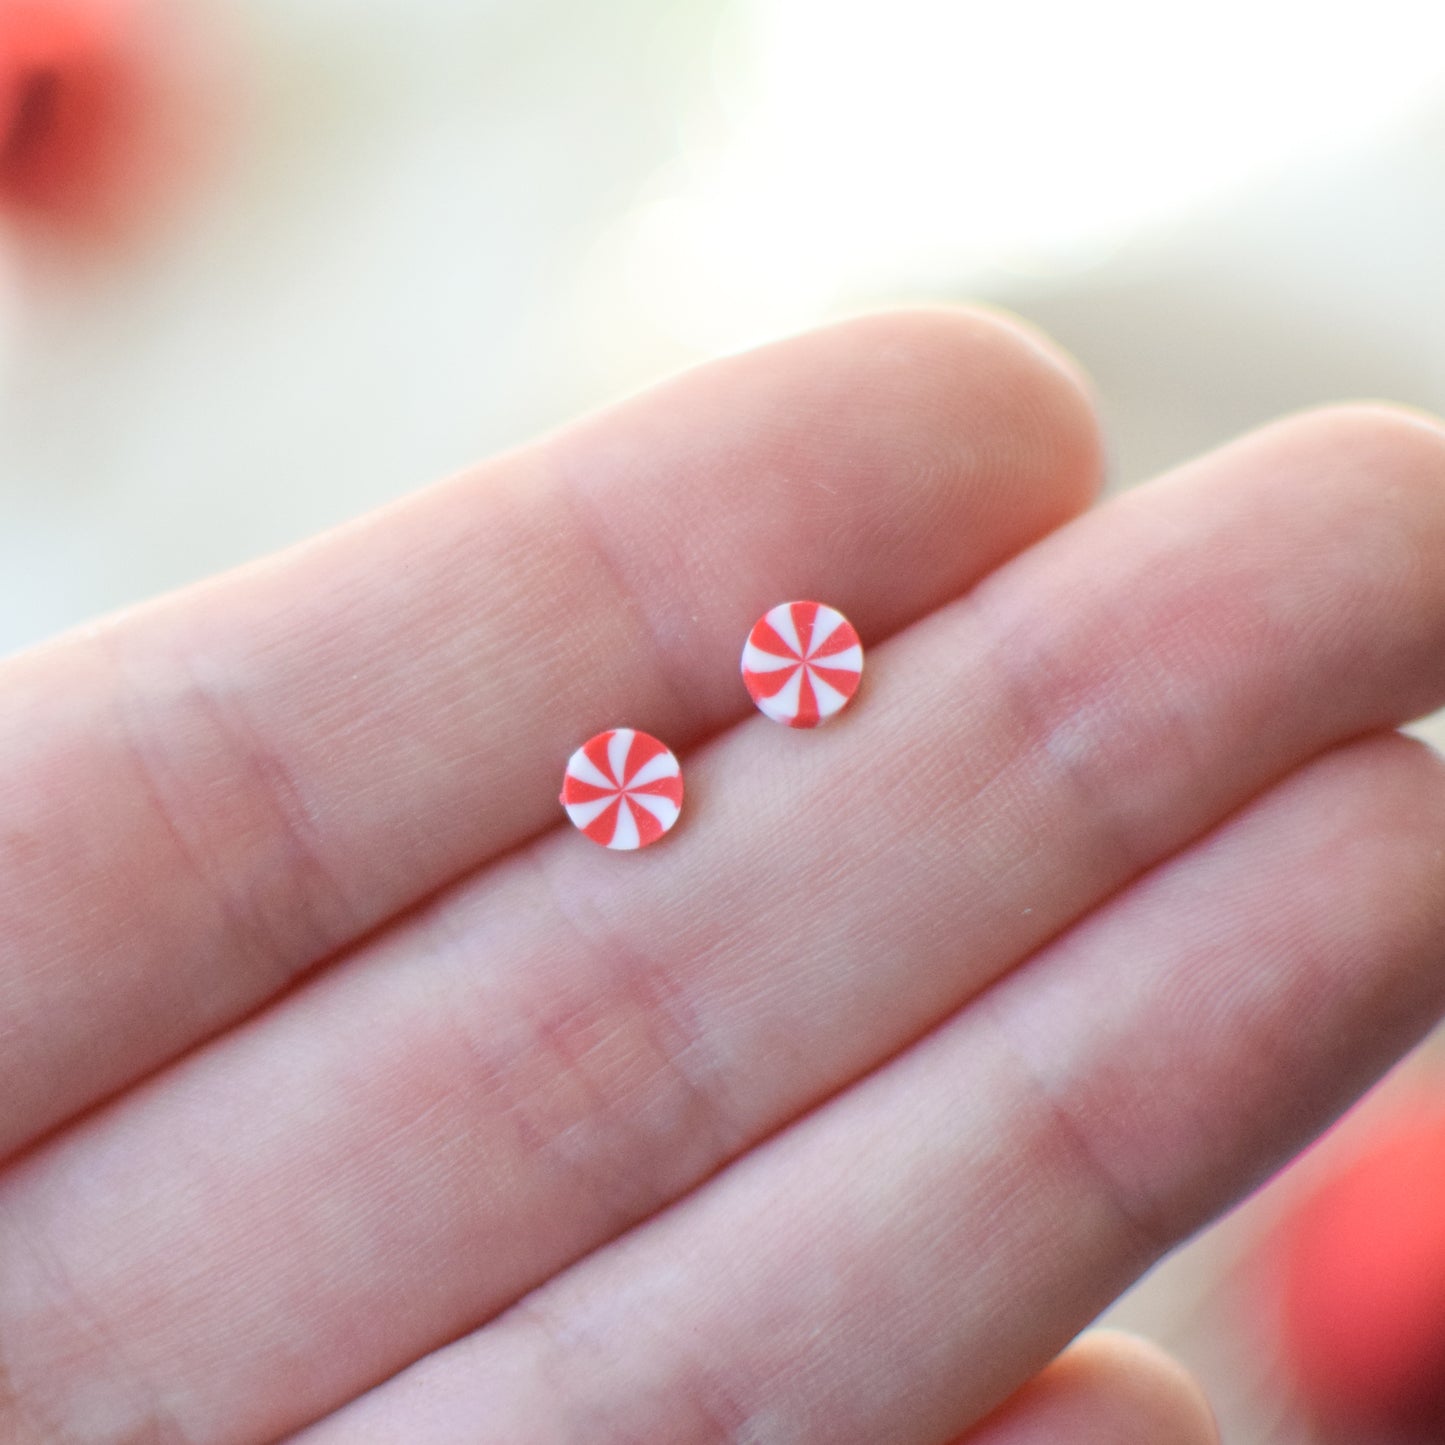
[(1109, 1389), (349, 1097)]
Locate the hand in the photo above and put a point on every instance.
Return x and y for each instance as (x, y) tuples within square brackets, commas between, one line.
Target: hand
[(342, 1084)]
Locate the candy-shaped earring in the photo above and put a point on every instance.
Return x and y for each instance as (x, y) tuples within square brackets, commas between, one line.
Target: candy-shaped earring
[(623, 789), (802, 663)]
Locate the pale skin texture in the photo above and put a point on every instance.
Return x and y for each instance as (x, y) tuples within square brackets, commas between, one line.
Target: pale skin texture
[(351, 1096)]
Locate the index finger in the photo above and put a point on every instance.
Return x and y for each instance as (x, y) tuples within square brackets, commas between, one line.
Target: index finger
[(213, 793)]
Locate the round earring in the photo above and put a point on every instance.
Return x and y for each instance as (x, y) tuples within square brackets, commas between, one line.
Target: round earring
[(802, 663), (623, 789)]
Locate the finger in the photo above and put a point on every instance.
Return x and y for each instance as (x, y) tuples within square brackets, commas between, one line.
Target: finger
[(205, 797), (1107, 1389), (555, 1050), (924, 1243)]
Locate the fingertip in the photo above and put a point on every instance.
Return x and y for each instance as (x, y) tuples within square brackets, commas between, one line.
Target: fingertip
[(1402, 447), (957, 362), (1392, 418), (885, 464), (1076, 393), (1165, 1399), (1109, 1388)]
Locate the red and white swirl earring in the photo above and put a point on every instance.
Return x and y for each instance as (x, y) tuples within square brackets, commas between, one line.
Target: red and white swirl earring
[(802, 663), (623, 789)]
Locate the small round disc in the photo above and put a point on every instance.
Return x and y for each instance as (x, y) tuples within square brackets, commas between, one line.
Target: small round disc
[(802, 663), (623, 789)]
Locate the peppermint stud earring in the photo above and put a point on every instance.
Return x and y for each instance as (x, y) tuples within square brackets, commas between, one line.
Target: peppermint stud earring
[(623, 789), (802, 663)]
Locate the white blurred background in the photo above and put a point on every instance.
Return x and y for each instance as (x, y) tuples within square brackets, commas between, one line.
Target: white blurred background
[(443, 224), (438, 226)]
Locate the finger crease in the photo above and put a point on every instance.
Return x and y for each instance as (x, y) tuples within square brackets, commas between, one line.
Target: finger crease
[(593, 529), (1144, 1227), (644, 1003), (298, 911), (138, 1401)]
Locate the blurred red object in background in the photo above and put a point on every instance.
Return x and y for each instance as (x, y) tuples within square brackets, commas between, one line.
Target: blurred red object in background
[(104, 113), (1361, 1266)]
